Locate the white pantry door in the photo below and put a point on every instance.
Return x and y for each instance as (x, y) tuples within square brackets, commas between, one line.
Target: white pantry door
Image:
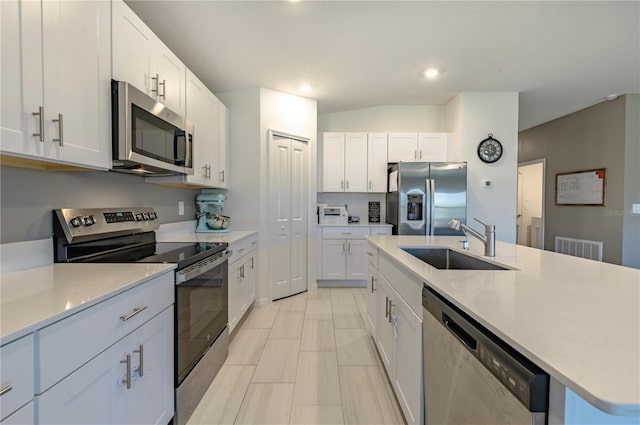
[(287, 216)]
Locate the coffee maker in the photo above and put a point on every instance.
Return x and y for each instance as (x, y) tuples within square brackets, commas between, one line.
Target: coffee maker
[(210, 218)]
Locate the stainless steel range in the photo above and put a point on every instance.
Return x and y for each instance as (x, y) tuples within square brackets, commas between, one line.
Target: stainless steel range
[(127, 235)]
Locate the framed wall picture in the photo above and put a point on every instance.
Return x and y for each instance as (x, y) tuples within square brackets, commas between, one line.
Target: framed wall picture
[(580, 187)]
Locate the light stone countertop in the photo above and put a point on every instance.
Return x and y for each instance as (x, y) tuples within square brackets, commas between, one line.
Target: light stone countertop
[(34, 298), (577, 319), (231, 237)]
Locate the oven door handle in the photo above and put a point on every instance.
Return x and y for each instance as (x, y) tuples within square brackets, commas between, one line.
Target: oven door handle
[(196, 270)]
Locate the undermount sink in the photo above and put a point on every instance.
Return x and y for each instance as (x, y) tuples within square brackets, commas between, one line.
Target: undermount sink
[(448, 259)]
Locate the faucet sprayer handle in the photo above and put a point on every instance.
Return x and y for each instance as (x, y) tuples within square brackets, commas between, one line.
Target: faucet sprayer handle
[(480, 221)]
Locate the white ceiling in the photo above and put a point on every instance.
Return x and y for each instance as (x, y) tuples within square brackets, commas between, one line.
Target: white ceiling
[(560, 56)]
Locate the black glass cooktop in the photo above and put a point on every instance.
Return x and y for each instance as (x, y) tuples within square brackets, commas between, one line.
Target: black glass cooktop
[(177, 252)]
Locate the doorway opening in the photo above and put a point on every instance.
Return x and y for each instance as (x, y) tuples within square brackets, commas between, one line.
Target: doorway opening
[(531, 196)]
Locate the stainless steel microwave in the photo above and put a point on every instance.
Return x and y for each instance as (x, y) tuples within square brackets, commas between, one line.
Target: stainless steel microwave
[(148, 138)]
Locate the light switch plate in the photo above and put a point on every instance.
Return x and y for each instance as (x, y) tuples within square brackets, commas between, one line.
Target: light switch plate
[(635, 208)]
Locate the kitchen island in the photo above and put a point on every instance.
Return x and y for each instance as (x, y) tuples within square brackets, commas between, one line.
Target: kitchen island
[(577, 319)]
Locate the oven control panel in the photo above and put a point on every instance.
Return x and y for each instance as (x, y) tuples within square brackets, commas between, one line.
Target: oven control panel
[(85, 224)]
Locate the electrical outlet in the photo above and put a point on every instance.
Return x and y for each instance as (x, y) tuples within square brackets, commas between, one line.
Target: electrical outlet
[(180, 207), (487, 184)]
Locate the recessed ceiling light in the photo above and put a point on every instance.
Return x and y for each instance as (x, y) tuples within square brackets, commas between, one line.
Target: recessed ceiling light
[(431, 73), (305, 88)]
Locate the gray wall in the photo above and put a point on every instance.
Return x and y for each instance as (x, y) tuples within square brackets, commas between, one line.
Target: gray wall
[(28, 196), (591, 138), (631, 222)]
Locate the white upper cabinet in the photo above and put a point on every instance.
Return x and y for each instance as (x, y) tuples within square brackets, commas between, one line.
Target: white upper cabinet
[(418, 147), (433, 147), (377, 162), (333, 162), (56, 72), (142, 60), (354, 162), (223, 148)]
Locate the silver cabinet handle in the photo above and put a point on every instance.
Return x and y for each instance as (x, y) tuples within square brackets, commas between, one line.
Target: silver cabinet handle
[(386, 307), (222, 172), (252, 265), (369, 254), (242, 272), (347, 184), (391, 305), (344, 247), (135, 312), (370, 185), (5, 390), (140, 352), (373, 279), (127, 377), (60, 138), (164, 89), (420, 153), (415, 154), (240, 251), (341, 184), (349, 246), (204, 167), (156, 79), (346, 233), (209, 175), (40, 115)]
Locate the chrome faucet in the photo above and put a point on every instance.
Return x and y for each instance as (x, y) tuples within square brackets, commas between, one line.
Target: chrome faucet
[(489, 238)]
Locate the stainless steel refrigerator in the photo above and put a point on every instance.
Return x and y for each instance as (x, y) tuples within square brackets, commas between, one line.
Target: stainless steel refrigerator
[(422, 197)]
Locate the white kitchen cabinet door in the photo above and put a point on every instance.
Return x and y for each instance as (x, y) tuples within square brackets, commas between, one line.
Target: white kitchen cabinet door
[(234, 295), (407, 355), (333, 258), (355, 162), (357, 262), (299, 208), (372, 297), (169, 78), (384, 334), (403, 147), (196, 112), (151, 397), (96, 393), (250, 271), (222, 171), (77, 82), (333, 162), (21, 75), (377, 162), (133, 49), (433, 147), (243, 288)]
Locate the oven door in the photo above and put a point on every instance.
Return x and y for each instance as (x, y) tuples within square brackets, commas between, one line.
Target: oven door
[(201, 310)]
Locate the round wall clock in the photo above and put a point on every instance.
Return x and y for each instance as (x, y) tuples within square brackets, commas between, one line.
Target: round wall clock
[(490, 150)]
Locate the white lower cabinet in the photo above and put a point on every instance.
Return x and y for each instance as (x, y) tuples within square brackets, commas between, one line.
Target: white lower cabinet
[(16, 378), (344, 251), (397, 332), (129, 383), (242, 279)]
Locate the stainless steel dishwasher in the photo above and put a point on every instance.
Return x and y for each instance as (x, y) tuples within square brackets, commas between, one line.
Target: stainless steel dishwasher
[(473, 377)]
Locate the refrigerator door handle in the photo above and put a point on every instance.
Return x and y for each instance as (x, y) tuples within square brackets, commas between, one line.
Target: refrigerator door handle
[(432, 207), (427, 210)]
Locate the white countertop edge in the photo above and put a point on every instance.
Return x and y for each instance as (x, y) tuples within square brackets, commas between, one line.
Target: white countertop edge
[(190, 236), (12, 336), (618, 409)]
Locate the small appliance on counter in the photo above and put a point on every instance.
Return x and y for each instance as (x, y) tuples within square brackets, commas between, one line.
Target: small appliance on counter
[(210, 218), (337, 216)]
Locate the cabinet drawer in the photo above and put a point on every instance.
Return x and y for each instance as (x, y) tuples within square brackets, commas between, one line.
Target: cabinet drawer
[(17, 366), (381, 230), (345, 232), (242, 247), (68, 344)]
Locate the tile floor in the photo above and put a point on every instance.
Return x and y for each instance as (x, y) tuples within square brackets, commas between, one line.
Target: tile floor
[(307, 359)]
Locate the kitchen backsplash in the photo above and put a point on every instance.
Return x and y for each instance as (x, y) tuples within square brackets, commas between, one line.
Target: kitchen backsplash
[(357, 203), (27, 198)]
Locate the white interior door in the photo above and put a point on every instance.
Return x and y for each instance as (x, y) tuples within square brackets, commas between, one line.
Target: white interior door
[(299, 161), (280, 217)]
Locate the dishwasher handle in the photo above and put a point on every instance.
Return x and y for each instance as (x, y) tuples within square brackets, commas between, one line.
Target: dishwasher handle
[(459, 332)]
